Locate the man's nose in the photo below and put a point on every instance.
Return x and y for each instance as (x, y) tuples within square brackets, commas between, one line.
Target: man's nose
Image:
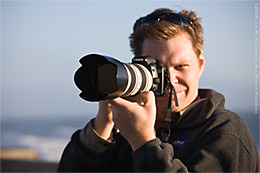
[(173, 75)]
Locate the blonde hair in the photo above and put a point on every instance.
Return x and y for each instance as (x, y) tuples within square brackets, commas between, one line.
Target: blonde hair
[(165, 30)]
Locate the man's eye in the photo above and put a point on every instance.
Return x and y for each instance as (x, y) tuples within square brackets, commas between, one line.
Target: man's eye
[(181, 67)]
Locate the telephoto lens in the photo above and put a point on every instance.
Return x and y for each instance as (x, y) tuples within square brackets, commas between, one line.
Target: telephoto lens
[(102, 77)]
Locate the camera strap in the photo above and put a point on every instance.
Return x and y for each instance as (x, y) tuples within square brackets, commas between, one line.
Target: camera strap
[(166, 130)]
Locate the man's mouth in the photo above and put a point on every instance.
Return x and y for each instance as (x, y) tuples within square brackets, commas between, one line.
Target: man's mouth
[(178, 89), (177, 92)]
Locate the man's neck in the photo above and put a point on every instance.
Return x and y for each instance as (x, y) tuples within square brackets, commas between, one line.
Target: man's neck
[(160, 120)]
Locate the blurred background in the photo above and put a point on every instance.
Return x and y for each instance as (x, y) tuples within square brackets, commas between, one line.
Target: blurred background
[(42, 42)]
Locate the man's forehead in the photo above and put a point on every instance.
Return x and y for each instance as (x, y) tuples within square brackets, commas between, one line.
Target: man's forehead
[(173, 51)]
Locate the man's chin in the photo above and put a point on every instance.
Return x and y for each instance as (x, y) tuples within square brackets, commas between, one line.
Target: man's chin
[(175, 109), (162, 101)]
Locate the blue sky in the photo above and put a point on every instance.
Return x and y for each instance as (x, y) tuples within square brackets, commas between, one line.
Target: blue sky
[(42, 41)]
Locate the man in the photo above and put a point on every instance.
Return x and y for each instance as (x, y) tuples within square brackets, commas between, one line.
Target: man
[(202, 134)]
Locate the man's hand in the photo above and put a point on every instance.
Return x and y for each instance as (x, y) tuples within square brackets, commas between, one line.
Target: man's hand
[(103, 123), (135, 121)]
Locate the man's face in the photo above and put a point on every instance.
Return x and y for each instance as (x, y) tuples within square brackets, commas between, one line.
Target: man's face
[(185, 69)]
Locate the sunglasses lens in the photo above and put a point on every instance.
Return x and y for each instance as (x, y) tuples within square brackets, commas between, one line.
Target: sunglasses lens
[(169, 17), (179, 21), (150, 19)]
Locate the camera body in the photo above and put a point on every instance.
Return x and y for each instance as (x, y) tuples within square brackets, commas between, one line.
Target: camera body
[(160, 74), (102, 77)]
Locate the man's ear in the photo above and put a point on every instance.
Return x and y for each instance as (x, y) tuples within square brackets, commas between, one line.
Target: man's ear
[(201, 62)]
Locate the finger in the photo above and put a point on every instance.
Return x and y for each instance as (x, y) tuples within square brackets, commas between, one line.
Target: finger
[(104, 106), (147, 97), (104, 103), (120, 102)]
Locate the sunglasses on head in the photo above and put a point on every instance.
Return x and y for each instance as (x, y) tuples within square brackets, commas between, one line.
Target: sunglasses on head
[(169, 17)]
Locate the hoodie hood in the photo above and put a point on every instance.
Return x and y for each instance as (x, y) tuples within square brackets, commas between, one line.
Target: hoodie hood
[(201, 110)]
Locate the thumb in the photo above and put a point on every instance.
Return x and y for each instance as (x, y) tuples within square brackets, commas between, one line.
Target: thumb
[(148, 98)]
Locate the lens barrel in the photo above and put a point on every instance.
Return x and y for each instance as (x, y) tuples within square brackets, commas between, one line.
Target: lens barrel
[(103, 78)]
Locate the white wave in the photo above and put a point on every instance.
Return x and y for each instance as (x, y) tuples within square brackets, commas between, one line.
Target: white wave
[(65, 131), (49, 148)]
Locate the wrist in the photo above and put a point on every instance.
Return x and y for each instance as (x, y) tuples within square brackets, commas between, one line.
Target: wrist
[(103, 128)]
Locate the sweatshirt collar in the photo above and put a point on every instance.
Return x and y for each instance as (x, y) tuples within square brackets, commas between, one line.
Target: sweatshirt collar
[(200, 110)]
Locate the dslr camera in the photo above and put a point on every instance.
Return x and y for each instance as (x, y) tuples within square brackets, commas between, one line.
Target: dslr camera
[(103, 78)]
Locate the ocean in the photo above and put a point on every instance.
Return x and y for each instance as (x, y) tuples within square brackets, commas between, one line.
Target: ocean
[(49, 136)]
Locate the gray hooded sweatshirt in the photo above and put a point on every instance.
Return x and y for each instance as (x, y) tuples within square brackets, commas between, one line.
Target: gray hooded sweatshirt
[(205, 138)]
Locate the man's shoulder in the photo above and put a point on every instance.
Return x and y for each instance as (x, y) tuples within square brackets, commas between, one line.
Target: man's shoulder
[(226, 115), (227, 118), (226, 122)]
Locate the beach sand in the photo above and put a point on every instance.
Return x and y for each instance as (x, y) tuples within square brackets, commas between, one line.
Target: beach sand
[(24, 160)]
